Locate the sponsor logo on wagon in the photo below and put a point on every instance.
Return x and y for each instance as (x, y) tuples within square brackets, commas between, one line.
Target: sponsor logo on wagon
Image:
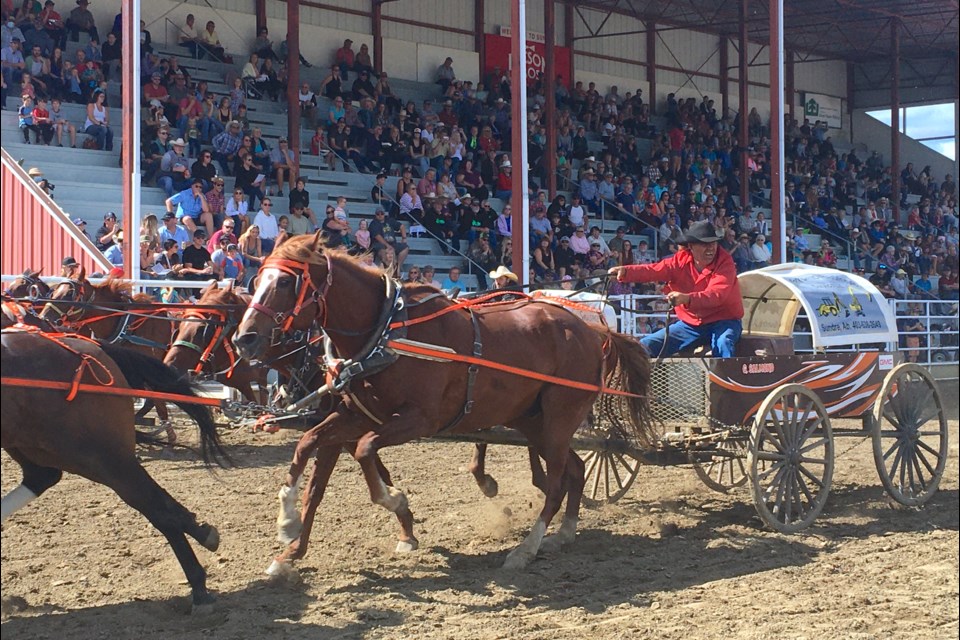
[(758, 367), (885, 361)]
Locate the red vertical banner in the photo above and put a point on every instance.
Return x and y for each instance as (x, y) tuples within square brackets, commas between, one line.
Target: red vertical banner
[(497, 54)]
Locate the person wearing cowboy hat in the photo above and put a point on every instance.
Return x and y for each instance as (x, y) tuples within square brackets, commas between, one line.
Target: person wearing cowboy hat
[(503, 278), (702, 287)]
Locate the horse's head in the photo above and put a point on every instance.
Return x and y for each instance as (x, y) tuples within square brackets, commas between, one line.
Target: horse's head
[(290, 294), (75, 289), (28, 284), (202, 331)]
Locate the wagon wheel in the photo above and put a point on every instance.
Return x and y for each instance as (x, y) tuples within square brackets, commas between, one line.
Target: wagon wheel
[(609, 476), (791, 458), (909, 435), (726, 471)]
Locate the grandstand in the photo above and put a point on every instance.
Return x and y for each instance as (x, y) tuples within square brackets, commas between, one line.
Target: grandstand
[(89, 181)]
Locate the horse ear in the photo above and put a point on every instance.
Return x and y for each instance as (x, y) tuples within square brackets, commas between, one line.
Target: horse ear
[(317, 240), (210, 287), (229, 287), (81, 273), (36, 274)]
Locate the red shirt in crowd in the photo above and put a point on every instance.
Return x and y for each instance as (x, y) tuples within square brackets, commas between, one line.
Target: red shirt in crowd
[(714, 292), (41, 116)]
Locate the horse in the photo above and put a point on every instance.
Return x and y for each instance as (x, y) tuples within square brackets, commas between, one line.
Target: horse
[(202, 343), (93, 435), (28, 285), (143, 330), (535, 367)]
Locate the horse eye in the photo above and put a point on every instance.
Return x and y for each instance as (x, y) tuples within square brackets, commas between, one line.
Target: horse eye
[(284, 281)]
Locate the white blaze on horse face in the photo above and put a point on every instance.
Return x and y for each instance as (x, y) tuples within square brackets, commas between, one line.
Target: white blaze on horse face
[(16, 500), (268, 278)]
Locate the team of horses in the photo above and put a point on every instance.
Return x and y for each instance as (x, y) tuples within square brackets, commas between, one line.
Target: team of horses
[(528, 364)]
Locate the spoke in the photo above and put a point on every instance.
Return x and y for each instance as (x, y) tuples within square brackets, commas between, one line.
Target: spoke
[(894, 448), (814, 424), (596, 478), (616, 474), (822, 442), (797, 498), (891, 434), (932, 411), (774, 468), (606, 476), (930, 434), (803, 487), (775, 482), (781, 484), (590, 462), (770, 456), (891, 417), (628, 463), (778, 426), (805, 460), (903, 469), (814, 479), (915, 464), (908, 465), (786, 502), (923, 445), (931, 469), (740, 466), (773, 440)]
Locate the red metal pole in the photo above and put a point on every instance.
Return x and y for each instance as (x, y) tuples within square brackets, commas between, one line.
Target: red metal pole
[(895, 118), (377, 18), (550, 87), (568, 41), (742, 84), (724, 76), (777, 213), (129, 97), (479, 42), (260, 7), (293, 77), (791, 95), (652, 66)]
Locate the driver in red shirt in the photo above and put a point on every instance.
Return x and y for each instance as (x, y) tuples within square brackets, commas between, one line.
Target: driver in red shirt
[(702, 286)]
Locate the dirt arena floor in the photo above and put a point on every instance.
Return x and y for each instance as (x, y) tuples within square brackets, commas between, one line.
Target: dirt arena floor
[(670, 560)]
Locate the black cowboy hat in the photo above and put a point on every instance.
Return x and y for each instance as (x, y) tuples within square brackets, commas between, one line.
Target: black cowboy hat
[(702, 231)]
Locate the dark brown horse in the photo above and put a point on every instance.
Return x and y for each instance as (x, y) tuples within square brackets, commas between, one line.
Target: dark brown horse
[(28, 285), (93, 435), (98, 315), (202, 343), (559, 362)]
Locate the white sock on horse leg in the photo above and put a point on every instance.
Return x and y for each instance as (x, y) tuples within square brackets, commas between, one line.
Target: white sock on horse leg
[(288, 520), (16, 500), (527, 550)]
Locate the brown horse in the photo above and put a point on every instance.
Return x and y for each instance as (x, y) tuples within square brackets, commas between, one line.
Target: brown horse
[(202, 343), (143, 330), (534, 367), (28, 285), (93, 435)]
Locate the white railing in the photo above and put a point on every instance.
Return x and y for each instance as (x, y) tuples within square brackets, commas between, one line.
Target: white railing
[(138, 283), (935, 343)]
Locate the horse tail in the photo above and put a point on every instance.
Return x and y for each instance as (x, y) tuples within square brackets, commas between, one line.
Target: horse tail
[(147, 373), (627, 368)]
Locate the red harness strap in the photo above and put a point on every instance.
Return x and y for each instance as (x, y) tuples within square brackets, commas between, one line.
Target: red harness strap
[(405, 347), (106, 390), (87, 361)]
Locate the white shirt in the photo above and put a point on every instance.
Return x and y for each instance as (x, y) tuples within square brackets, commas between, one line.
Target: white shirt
[(269, 229), (576, 215), (235, 208)]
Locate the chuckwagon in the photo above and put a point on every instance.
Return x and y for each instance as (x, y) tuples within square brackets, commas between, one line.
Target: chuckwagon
[(771, 416)]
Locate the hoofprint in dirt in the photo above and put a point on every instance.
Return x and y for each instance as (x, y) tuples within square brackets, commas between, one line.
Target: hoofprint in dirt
[(670, 560)]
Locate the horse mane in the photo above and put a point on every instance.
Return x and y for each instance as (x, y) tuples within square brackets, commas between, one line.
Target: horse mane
[(221, 296), (302, 249), (116, 287)]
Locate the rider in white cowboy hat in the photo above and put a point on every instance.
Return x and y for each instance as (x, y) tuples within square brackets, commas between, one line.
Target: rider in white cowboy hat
[(702, 284), (503, 278)]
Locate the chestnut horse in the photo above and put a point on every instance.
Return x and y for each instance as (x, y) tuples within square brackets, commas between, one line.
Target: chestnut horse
[(28, 285), (146, 331), (202, 343), (535, 367), (93, 435)]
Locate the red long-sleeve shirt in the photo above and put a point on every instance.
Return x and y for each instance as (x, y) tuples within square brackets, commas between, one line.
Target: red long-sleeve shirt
[(714, 292)]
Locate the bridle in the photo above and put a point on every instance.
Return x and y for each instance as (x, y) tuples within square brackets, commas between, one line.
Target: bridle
[(305, 289), (78, 291), (222, 324), (33, 285)]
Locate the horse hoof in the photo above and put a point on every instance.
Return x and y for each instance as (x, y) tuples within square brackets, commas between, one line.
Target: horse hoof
[(203, 604), (517, 560), (552, 544), (212, 543), (282, 570), (490, 487), (406, 546), (289, 532)]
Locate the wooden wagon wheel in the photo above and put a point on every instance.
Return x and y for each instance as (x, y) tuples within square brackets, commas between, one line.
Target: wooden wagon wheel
[(909, 435), (793, 436), (725, 471), (609, 476)]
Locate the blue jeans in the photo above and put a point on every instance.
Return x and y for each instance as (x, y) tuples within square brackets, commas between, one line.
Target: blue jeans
[(722, 336), (103, 136)]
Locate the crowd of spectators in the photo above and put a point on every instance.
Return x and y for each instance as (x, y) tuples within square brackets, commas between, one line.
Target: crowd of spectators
[(452, 154)]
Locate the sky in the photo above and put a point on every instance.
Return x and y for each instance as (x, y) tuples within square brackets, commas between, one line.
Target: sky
[(928, 121)]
